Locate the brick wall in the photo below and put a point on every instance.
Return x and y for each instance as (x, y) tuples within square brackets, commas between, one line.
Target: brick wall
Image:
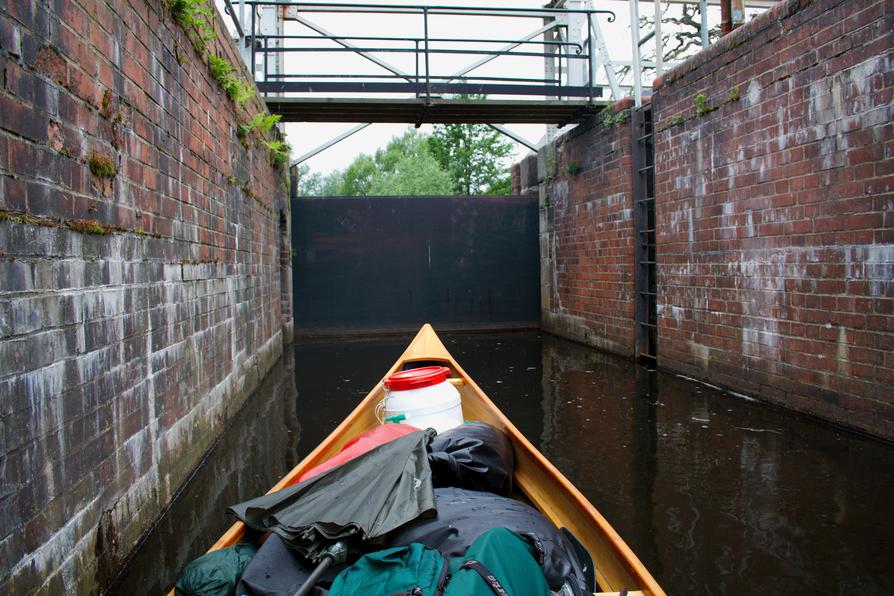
[(586, 235), (136, 310), (774, 161), (775, 222)]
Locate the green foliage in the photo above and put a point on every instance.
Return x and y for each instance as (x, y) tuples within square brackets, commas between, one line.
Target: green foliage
[(102, 166), (404, 167), (221, 70), (701, 103), (18, 217), (280, 152), (574, 168), (88, 226), (609, 119), (240, 92), (224, 73), (190, 13), (261, 122), (733, 94), (194, 17), (475, 155), (455, 159)]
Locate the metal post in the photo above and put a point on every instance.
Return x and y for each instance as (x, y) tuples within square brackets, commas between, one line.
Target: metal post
[(659, 41), (252, 67), (636, 58), (590, 56), (703, 12), (242, 48), (416, 56), (725, 22), (604, 59), (427, 71)]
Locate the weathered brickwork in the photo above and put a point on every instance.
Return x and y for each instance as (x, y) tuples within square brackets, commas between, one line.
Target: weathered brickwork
[(776, 211), (586, 235), (774, 161), (143, 273)]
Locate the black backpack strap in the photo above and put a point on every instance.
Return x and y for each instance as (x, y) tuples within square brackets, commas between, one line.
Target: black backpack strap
[(486, 575)]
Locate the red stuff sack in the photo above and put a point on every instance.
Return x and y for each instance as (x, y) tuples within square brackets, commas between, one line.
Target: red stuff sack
[(360, 445)]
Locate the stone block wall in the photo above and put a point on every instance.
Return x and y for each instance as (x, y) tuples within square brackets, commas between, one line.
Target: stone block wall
[(774, 155), (775, 183), (143, 273)]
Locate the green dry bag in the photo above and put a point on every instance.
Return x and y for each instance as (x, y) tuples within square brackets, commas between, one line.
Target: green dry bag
[(215, 573)]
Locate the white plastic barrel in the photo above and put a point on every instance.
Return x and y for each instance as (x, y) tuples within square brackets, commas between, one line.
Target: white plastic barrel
[(424, 397)]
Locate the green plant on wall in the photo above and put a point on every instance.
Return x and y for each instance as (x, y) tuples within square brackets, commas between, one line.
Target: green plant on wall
[(609, 119), (261, 122), (102, 166), (700, 103), (235, 88), (280, 152), (193, 16)]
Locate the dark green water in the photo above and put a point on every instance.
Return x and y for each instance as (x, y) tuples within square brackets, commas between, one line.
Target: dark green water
[(715, 493)]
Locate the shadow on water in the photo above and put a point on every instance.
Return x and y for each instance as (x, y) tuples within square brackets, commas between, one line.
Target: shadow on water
[(716, 494)]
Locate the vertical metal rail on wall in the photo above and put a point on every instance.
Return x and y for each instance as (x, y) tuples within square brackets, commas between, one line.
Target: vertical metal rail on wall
[(644, 225)]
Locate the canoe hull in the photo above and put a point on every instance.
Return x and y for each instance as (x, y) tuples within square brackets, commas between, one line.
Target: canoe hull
[(541, 483)]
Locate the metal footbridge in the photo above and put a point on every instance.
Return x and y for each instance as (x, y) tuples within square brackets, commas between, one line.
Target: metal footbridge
[(426, 64), (409, 76)]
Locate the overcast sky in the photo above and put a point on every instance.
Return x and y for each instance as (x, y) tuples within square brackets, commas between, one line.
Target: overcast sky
[(306, 136)]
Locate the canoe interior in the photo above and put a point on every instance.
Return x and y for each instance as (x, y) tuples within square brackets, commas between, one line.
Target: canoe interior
[(538, 480)]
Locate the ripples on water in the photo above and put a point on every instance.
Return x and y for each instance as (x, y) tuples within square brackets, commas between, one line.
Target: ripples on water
[(715, 493)]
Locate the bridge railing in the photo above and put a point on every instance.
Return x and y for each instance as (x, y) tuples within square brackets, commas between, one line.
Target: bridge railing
[(569, 59)]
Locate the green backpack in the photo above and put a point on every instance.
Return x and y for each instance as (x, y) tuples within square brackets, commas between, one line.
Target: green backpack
[(412, 570), (499, 562)]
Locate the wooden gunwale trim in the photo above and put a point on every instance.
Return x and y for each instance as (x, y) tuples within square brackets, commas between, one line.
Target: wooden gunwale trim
[(427, 346)]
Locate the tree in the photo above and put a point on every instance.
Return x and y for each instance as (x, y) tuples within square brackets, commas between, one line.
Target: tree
[(680, 33), (314, 184), (457, 158), (476, 156), (404, 167)]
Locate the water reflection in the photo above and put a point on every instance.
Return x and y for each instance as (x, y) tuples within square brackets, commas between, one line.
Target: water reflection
[(716, 494)]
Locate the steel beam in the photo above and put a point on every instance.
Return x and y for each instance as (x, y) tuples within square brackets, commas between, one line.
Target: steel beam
[(330, 143), (514, 136)]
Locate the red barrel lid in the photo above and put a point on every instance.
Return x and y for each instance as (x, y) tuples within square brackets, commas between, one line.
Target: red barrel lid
[(416, 378)]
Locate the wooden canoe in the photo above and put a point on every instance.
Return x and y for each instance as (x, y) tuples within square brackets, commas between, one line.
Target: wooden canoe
[(616, 566)]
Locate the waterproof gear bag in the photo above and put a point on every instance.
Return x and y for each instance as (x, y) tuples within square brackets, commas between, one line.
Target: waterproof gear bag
[(215, 573), (359, 500), (499, 562), (474, 455), (414, 570), (464, 515)]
